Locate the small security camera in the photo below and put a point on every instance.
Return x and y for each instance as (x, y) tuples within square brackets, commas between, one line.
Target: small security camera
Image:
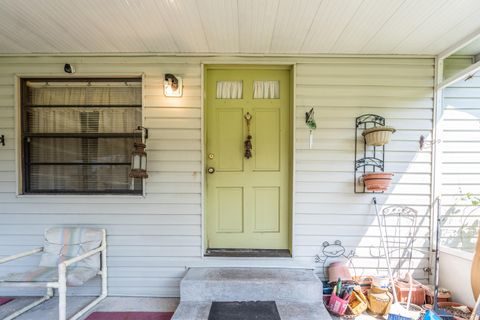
[(68, 68)]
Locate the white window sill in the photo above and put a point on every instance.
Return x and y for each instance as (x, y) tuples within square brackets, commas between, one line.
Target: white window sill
[(80, 196), (457, 253)]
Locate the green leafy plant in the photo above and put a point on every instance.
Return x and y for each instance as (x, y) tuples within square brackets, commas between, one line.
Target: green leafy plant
[(473, 199)]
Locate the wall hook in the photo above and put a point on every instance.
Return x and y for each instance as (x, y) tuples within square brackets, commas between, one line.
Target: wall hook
[(424, 143)]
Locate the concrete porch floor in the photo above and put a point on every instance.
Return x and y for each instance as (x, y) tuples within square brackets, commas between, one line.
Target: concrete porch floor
[(49, 309)]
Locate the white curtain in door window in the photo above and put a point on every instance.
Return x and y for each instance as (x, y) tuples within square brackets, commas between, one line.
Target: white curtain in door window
[(266, 89), (229, 89)]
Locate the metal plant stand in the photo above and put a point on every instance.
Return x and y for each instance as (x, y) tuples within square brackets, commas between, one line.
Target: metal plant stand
[(371, 159)]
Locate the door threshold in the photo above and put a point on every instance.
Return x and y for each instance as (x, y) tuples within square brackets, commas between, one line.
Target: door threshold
[(260, 253)]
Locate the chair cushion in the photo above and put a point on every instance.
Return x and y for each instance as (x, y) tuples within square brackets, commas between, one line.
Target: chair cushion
[(76, 276), (63, 243)]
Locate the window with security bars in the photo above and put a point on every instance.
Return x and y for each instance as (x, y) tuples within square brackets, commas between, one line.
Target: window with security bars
[(78, 135)]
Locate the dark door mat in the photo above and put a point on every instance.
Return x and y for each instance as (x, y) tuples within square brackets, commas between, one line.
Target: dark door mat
[(262, 253), (244, 310)]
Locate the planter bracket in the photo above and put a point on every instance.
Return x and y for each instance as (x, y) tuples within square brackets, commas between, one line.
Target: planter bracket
[(367, 159)]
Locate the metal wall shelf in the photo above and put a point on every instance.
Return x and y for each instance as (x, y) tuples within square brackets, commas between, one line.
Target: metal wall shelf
[(372, 159)]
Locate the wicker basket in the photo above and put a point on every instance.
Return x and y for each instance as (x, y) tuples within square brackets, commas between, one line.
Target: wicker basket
[(378, 136)]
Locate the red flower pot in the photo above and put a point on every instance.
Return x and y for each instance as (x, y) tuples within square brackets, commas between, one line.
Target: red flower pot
[(377, 181)]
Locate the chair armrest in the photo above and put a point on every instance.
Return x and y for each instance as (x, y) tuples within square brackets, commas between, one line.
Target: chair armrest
[(20, 255), (71, 261)]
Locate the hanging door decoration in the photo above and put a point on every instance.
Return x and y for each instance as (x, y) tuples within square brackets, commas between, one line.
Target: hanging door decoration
[(248, 142)]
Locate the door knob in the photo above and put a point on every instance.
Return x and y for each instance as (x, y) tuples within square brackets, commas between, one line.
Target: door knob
[(211, 170)]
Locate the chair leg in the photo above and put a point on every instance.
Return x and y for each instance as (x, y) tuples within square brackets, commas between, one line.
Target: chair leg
[(62, 292), (31, 305), (104, 292)]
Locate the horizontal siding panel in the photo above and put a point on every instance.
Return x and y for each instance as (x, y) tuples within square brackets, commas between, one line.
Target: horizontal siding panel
[(305, 155), (353, 220), (314, 176), (345, 70), (349, 135), (348, 144), (173, 123), (371, 80), (127, 230), (102, 199), (329, 230), (174, 134), (168, 113), (403, 124), (363, 101), (347, 166), (84, 219), (165, 145), (350, 208), (326, 114), (33, 241), (365, 253), (461, 179), (333, 187), (362, 91), (357, 242), (79, 207)]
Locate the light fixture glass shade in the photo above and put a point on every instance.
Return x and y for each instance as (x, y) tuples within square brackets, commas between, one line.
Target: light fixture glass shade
[(172, 86), (139, 162)]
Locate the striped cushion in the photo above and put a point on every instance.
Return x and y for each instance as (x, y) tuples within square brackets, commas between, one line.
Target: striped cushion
[(76, 276), (63, 243)]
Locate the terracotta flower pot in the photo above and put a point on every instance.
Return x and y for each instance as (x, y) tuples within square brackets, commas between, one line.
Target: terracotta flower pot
[(378, 136), (377, 181), (338, 270)]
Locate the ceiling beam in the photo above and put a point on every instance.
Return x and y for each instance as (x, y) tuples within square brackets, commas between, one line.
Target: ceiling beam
[(460, 75), (459, 45)]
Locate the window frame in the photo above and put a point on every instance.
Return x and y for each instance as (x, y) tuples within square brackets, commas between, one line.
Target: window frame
[(24, 163)]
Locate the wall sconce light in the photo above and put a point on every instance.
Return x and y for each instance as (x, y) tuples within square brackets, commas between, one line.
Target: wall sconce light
[(172, 86), (139, 158)]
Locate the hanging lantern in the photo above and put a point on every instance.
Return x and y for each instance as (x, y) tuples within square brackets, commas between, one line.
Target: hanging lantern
[(139, 161)]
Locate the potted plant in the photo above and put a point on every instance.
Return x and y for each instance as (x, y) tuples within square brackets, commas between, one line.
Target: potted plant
[(377, 181), (378, 136)]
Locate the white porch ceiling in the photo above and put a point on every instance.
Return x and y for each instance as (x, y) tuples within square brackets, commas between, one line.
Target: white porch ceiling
[(236, 26)]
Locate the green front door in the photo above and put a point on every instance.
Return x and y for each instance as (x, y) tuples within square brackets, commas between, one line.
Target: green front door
[(248, 200)]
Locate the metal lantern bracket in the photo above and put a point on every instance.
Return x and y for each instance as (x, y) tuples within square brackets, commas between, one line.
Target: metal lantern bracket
[(373, 159), (144, 131)]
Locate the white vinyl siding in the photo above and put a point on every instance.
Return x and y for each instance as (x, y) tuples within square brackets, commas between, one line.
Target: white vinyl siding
[(326, 207), (460, 161), (153, 238)]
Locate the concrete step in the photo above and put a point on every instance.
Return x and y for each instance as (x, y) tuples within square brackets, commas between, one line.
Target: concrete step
[(288, 310), (251, 284)]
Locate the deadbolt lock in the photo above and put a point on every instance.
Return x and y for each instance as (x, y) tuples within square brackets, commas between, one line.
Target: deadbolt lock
[(211, 156)]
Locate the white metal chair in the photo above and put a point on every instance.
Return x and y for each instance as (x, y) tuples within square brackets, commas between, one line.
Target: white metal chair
[(82, 250)]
